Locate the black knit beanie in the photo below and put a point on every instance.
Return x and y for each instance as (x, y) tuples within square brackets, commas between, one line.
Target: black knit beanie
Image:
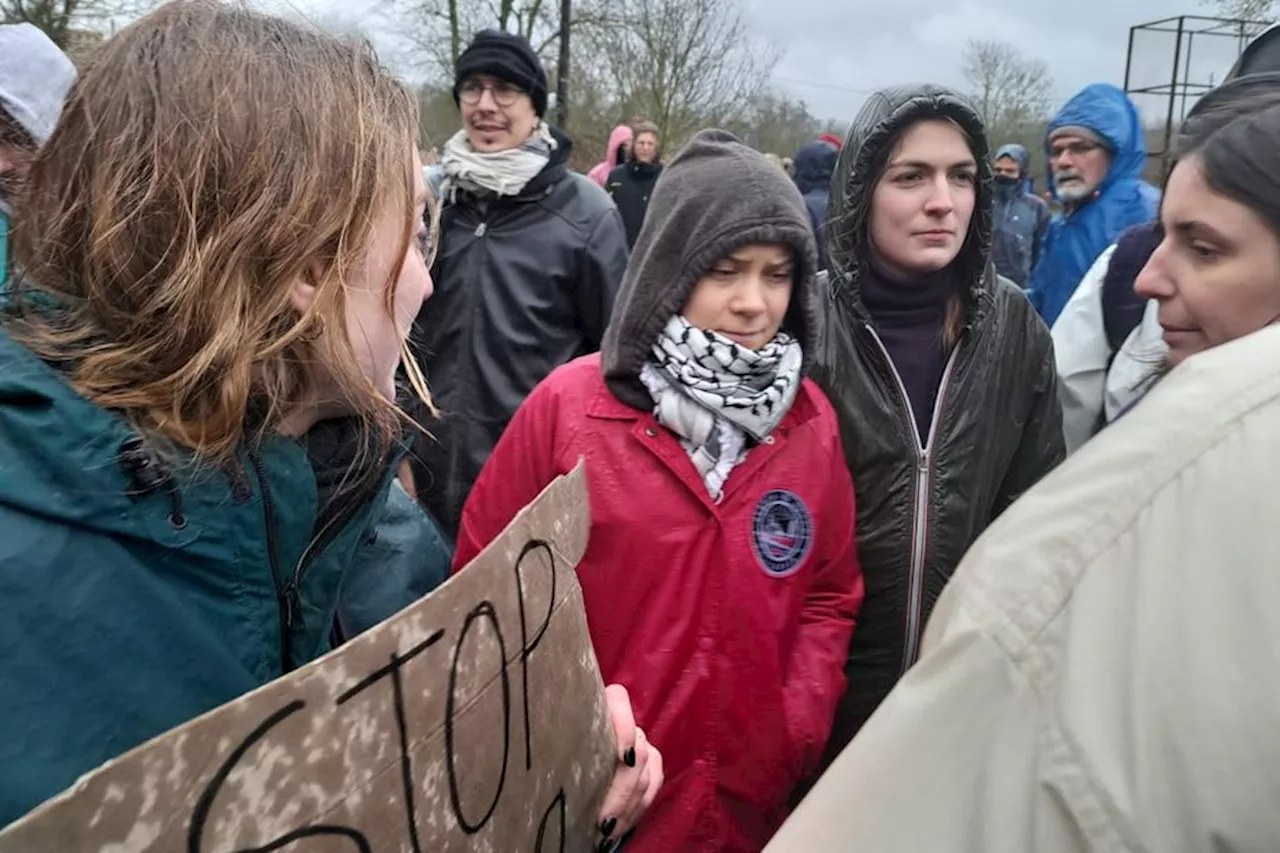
[(508, 57)]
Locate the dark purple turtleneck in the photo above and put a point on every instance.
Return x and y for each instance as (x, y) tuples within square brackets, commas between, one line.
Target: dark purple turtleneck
[(908, 316)]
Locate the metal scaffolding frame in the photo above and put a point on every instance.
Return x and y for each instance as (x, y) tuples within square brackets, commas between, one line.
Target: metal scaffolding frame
[(1180, 88)]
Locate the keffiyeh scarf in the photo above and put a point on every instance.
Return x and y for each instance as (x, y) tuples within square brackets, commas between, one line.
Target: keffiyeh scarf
[(717, 395), (500, 172)]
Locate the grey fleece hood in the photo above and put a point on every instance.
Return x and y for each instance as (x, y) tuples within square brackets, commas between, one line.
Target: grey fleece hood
[(35, 77), (715, 196), (867, 147)]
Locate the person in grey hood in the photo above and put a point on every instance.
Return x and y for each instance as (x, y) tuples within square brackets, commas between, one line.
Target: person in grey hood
[(1021, 219), (720, 583), (941, 372), (34, 79)]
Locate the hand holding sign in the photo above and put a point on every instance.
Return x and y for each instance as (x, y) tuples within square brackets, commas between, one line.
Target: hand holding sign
[(639, 774), (446, 728)]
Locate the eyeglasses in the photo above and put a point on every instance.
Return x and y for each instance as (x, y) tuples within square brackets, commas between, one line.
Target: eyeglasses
[(1075, 149), (504, 94)]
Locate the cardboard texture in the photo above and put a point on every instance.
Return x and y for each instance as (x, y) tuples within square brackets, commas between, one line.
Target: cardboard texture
[(472, 721)]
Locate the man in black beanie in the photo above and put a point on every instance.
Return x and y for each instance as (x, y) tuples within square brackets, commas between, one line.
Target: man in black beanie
[(531, 256)]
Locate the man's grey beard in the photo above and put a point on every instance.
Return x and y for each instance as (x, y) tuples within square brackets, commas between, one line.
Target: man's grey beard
[(1075, 189)]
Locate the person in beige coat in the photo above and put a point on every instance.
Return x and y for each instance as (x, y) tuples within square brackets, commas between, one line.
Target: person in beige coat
[(1101, 673)]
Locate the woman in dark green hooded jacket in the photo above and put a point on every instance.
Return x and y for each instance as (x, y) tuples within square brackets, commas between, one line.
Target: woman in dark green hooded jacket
[(198, 434), (940, 372)]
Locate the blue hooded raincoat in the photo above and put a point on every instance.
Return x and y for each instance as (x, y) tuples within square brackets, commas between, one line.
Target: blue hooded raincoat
[(1075, 240)]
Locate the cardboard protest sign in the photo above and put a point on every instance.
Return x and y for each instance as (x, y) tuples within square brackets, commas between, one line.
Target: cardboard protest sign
[(473, 720)]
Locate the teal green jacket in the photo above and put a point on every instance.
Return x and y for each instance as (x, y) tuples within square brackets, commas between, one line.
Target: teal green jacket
[(137, 594)]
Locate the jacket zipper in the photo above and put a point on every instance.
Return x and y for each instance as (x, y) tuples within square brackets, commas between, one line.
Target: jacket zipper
[(286, 602), (920, 517), (317, 546)]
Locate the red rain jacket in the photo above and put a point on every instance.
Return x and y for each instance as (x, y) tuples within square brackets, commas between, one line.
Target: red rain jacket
[(728, 624)]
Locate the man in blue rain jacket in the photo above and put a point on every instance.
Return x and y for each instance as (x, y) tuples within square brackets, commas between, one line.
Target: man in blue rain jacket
[(1096, 154)]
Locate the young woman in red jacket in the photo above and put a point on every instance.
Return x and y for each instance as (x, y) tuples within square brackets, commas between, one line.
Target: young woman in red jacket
[(721, 580)]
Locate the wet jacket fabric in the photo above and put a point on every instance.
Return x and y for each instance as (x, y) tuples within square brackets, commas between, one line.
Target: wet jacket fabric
[(631, 186), (35, 77), (619, 136), (997, 424), (815, 162), (523, 284), (1021, 222), (728, 621), (140, 594), (1062, 705), (1078, 237)]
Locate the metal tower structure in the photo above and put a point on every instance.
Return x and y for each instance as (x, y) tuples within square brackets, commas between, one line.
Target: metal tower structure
[(1181, 92)]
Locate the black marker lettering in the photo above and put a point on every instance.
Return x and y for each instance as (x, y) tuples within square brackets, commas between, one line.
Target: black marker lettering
[(542, 827), (397, 697), (486, 610), (528, 646), (200, 816)]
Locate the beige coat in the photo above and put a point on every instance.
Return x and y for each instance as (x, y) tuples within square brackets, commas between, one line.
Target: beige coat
[(1103, 672)]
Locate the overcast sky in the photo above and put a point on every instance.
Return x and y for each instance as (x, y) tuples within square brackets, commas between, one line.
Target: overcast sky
[(836, 50), (833, 52)]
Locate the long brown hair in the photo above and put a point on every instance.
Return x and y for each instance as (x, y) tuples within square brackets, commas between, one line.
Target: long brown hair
[(209, 159)]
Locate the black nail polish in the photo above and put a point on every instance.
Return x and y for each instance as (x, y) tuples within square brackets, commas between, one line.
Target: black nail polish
[(629, 757), (608, 826), (608, 845)]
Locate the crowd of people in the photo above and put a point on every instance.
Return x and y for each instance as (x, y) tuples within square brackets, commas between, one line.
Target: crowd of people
[(839, 556)]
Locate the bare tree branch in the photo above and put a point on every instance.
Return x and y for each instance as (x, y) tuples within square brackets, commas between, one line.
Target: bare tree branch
[(72, 24), (1243, 10), (681, 63), (1009, 91)]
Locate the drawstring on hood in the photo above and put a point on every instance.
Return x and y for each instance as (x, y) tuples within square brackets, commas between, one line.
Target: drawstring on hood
[(147, 473), (877, 128), (716, 195)]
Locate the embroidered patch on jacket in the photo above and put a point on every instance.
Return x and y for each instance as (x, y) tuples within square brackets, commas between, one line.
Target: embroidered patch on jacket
[(781, 533)]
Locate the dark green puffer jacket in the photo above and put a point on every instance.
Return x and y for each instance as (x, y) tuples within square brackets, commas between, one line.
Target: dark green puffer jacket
[(997, 425), (138, 595)]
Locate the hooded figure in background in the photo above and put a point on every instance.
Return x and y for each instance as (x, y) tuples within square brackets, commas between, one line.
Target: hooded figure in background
[(1021, 219), (1097, 151), (815, 162), (616, 152), (631, 184), (941, 373), (35, 77)]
